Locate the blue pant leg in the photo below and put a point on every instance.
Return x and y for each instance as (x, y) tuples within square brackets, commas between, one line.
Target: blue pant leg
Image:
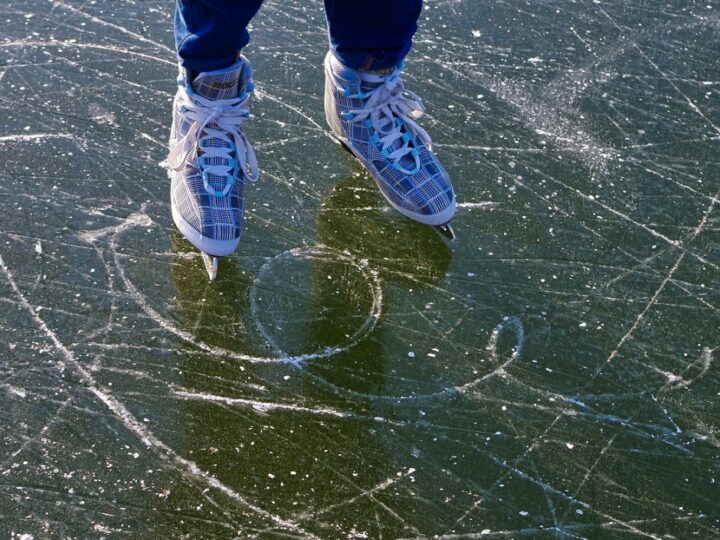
[(372, 34), (210, 33)]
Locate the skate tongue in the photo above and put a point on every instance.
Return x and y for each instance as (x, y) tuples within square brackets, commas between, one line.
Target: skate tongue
[(407, 161), (367, 81), (228, 83), (222, 84)]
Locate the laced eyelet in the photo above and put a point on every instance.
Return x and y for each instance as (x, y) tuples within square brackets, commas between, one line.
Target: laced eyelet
[(214, 192), (388, 112)]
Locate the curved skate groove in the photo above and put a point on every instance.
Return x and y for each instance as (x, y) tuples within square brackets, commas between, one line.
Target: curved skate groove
[(517, 327), (127, 419), (678, 382), (140, 219), (327, 253), (508, 322)]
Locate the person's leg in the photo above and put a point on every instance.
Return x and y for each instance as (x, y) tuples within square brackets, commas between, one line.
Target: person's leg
[(210, 158), (210, 33), (371, 34)]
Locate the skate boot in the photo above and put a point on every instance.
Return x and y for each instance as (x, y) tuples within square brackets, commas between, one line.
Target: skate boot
[(210, 159), (374, 117)]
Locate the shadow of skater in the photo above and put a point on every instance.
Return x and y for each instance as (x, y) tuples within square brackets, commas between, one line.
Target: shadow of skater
[(305, 302), (353, 220), (215, 313)]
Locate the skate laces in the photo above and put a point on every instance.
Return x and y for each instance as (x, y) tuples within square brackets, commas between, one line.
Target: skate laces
[(390, 111), (213, 119)]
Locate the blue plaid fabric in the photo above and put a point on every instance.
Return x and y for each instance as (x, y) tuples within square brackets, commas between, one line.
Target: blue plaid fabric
[(426, 195), (217, 220)]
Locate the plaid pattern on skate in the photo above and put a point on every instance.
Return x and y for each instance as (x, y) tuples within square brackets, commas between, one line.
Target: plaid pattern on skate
[(223, 85), (216, 218), (213, 217), (427, 192)]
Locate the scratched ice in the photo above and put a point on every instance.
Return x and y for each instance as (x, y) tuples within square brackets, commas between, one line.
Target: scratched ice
[(554, 373)]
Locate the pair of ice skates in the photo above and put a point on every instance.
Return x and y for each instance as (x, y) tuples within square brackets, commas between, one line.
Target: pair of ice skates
[(370, 113)]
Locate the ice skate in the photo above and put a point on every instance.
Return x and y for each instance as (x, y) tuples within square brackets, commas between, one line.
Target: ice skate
[(210, 159), (374, 117)]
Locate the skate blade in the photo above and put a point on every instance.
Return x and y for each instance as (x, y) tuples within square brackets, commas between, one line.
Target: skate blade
[(211, 265), (346, 147), (447, 231)]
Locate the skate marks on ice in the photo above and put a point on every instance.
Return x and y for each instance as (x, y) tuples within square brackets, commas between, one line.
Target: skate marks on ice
[(111, 236), (130, 422), (141, 219), (369, 276), (555, 374)]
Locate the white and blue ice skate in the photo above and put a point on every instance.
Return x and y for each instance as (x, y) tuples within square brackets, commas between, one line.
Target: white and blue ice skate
[(374, 117), (210, 159)]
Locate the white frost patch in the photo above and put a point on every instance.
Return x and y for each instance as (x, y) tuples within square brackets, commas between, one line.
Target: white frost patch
[(14, 390), (480, 204)]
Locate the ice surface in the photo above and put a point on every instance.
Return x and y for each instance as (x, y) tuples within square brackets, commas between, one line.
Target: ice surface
[(553, 373)]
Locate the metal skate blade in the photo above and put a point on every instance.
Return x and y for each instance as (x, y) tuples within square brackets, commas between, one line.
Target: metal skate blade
[(211, 265), (447, 231), (346, 147)]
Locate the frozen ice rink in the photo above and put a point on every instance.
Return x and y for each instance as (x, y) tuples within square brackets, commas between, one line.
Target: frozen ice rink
[(554, 373)]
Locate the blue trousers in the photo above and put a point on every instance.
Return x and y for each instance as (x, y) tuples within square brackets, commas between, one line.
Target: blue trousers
[(364, 34)]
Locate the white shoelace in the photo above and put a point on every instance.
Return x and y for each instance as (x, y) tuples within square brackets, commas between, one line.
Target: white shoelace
[(388, 107), (215, 119)]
